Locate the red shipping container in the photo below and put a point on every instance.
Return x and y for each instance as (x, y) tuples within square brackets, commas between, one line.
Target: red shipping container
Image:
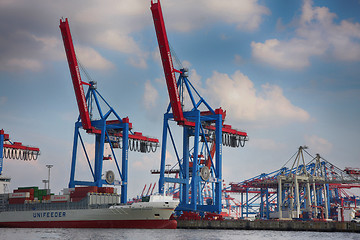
[(19, 195), (46, 197), (30, 190), (17, 200), (86, 189), (78, 194), (59, 198), (77, 199), (106, 190)]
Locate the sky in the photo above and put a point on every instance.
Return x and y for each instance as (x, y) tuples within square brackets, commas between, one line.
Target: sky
[(286, 72)]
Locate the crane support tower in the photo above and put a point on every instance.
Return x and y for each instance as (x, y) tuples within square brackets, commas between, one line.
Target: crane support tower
[(204, 134), (109, 128)]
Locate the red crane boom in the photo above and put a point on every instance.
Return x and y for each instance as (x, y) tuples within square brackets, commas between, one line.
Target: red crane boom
[(167, 62), (75, 75)]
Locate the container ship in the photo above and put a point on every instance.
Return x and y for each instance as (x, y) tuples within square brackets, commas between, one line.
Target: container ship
[(83, 207)]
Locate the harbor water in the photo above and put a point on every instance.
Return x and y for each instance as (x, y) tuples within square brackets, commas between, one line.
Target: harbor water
[(178, 234)]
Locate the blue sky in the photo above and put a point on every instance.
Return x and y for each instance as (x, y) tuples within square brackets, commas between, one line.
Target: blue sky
[(287, 72)]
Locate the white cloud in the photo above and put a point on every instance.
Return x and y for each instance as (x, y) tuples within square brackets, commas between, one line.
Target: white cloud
[(30, 31), (151, 96), (318, 144), (238, 95), (50, 47), (244, 102), (267, 144), (138, 61), (316, 35), (16, 64), (189, 15), (120, 42), (90, 58), (186, 64), (294, 54)]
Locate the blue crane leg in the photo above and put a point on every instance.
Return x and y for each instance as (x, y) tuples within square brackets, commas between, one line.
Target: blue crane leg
[(185, 175), (73, 161), (218, 164), (195, 177), (1, 152), (99, 153), (124, 165), (163, 155)]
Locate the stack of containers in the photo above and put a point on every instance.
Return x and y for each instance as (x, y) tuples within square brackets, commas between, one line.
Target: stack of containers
[(28, 195), (80, 192), (38, 193), (19, 196), (34, 190), (46, 198), (106, 190), (42, 193)]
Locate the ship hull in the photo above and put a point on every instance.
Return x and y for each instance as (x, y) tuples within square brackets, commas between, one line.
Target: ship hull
[(140, 224)]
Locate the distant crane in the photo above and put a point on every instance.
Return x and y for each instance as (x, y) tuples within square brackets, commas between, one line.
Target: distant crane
[(201, 162), (15, 150), (314, 189), (116, 132)]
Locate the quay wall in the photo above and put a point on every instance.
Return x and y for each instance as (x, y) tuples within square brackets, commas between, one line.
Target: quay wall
[(278, 225)]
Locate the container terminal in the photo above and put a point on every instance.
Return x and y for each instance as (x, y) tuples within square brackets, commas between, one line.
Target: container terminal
[(307, 195)]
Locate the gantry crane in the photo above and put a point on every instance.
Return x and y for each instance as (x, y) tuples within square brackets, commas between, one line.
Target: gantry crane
[(314, 189), (117, 133), (13, 150), (204, 133)]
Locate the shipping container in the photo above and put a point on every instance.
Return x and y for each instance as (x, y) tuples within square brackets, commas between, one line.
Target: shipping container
[(17, 200), (19, 195), (46, 197), (86, 189), (60, 198), (22, 188), (76, 199)]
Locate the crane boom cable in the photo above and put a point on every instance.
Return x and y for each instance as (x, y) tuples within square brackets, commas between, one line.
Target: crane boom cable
[(83, 69), (175, 57)]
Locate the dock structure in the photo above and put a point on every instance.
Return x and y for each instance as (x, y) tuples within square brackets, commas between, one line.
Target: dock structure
[(276, 225), (314, 190)]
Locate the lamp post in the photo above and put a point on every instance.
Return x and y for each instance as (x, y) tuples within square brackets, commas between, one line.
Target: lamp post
[(45, 182), (48, 181)]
